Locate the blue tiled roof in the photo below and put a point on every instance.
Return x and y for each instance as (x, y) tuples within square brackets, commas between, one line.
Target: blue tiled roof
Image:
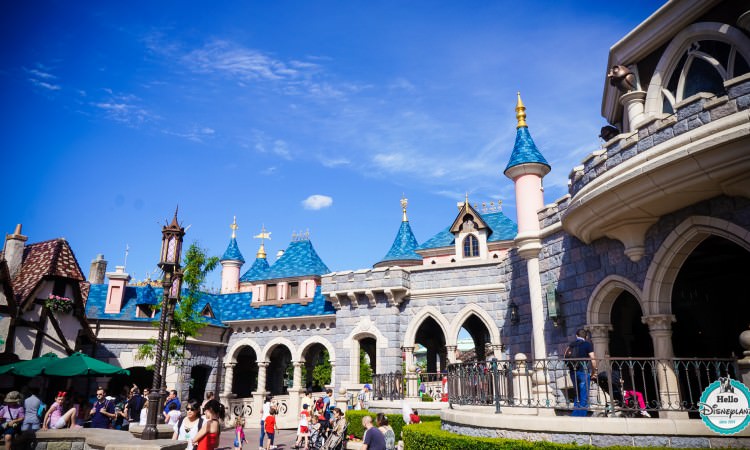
[(403, 246), (233, 252), (524, 150), (501, 229), (238, 309), (224, 306), (258, 271), (299, 259)]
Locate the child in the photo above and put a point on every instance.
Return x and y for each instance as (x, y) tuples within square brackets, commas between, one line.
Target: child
[(56, 418), (174, 414), (303, 431), (239, 432), (271, 428)]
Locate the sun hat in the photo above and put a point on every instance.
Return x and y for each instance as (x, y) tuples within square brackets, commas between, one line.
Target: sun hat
[(367, 386), (13, 397)]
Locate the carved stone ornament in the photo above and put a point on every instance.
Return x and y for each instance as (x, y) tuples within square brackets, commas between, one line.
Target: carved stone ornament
[(622, 78)]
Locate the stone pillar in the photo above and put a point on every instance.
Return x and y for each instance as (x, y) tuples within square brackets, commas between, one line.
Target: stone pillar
[(497, 351), (660, 328), (634, 103), (14, 244), (228, 378), (97, 270), (260, 391), (744, 363), (451, 354), (600, 340), (521, 381), (537, 308), (297, 375)]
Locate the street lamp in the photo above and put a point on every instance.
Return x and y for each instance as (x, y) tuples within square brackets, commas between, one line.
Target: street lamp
[(169, 262)]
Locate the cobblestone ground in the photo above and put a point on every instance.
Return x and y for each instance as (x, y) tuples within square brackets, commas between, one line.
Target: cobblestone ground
[(283, 440)]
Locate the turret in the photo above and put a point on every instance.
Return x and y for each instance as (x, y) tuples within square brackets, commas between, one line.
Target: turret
[(526, 168), (231, 262), (402, 252)]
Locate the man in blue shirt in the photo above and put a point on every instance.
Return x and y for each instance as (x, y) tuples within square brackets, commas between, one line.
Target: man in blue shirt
[(374, 438), (171, 398), (102, 411), (580, 373)]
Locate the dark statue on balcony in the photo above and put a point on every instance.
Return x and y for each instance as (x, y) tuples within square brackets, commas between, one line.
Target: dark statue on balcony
[(608, 132), (622, 78)]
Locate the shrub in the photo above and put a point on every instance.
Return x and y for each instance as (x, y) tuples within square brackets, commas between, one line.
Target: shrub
[(396, 421), (427, 398), (429, 436)]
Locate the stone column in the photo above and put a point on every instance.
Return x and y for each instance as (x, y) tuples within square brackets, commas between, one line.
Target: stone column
[(521, 381), (497, 351), (228, 378), (297, 375), (260, 391), (412, 383), (451, 354), (660, 328), (634, 103), (600, 340)]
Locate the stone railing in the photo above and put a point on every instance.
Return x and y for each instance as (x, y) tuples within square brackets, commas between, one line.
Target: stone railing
[(92, 438)]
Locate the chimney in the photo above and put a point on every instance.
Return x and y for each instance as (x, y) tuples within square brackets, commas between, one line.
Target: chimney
[(118, 281), (14, 244), (98, 268)]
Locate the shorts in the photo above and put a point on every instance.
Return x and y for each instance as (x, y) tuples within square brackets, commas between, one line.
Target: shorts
[(303, 429), (31, 426), (60, 424), (9, 431), (270, 436)]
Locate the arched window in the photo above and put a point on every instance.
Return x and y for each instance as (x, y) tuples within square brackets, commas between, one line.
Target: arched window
[(703, 67), (471, 246)]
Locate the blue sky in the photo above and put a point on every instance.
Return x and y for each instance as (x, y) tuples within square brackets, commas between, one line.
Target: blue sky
[(113, 113)]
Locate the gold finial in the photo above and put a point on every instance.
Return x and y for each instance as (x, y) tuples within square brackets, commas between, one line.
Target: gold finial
[(404, 202), (262, 236), (466, 202), (520, 113), (234, 227)]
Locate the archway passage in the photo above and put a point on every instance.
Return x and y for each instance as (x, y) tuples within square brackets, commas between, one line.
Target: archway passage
[(431, 337), (140, 376), (280, 370), (245, 376), (709, 301), (315, 356), (629, 337), (367, 345), (480, 336), (198, 381)]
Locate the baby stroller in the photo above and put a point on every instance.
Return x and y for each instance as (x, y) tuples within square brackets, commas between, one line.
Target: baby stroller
[(317, 438), (336, 441)]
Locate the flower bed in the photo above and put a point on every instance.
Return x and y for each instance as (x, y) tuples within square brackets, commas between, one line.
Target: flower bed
[(59, 304)]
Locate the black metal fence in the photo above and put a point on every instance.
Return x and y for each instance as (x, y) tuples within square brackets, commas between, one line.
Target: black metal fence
[(620, 386)]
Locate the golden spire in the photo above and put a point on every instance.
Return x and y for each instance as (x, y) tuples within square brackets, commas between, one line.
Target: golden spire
[(404, 202), (520, 113), (466, 202), (234, 227), (262, 236)]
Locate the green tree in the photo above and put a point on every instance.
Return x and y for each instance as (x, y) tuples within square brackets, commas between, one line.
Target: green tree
[(187, 321), (322, 371), (365, 370)]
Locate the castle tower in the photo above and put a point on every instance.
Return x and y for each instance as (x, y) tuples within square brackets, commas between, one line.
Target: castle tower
[(402, 252), (526, 168), (231, 262)]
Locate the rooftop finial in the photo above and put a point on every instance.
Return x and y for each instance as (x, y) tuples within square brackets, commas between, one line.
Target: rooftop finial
[(404, 203), (234, 227), (262, 236), (466, 202), (174, 219), (520, 113)]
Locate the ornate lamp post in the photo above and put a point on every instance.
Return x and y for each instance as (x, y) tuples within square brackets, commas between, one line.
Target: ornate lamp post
[(169, 262)]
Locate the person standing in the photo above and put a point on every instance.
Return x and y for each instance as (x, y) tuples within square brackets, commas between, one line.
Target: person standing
[(265, 412), (208, 436), (134, 405), (32, 406), (171, 400), (388, 433), (187, 428), (102, 411), (271, 428), (581, 353), (374, 439), (363, 397)]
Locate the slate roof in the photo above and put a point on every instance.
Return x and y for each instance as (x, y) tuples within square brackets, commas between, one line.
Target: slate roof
[(47, 258), (403, 245), (258, 271), (233, 252), (524, 150), (501, 229), (299, 260), (225, 307)]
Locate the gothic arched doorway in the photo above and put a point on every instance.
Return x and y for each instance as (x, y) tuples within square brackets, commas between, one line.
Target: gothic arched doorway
[(245, 374), (480, 336), (629, 337), (431, 337), (280, 370)]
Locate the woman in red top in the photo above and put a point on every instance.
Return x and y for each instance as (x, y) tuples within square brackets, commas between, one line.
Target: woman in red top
[(208, 436)]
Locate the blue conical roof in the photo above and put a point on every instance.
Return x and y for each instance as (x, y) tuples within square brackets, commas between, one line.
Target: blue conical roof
[(233, 252), (258, 271), (403, 246), (300, 259), (525, 151)]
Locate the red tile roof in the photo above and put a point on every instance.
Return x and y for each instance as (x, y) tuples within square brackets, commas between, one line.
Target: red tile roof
[(47, 258)]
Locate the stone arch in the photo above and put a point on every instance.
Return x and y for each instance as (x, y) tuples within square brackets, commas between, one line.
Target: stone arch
[(605, 293), (299, 354), (231, 355), (275, 343), (674, 51), (483, 316), (365, 329), (673, 252), (428, 311)]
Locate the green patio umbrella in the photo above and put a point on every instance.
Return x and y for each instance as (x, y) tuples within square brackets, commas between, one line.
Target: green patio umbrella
[(30, 368), (79, 364)]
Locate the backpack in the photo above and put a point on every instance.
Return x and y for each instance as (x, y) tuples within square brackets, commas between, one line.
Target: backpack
[(319, 404), (179, 423), (573, 354)]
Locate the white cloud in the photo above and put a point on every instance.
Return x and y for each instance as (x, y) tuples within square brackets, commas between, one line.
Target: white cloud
[(220, 56), (42, 77), (334, 162), (124, 108), (269, 171), (317, 201)]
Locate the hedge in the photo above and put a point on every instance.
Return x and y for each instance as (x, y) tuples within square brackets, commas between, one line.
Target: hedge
[(429, 436), (396, 421)]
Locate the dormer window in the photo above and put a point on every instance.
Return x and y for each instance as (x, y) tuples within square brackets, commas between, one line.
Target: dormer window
[(271, 292), (471, 246), (144, 311), (208, 312), (293, 290)]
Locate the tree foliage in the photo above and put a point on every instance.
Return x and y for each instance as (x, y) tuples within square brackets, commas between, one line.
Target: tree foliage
[(365, 369), (187, 320), (322, 371)]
